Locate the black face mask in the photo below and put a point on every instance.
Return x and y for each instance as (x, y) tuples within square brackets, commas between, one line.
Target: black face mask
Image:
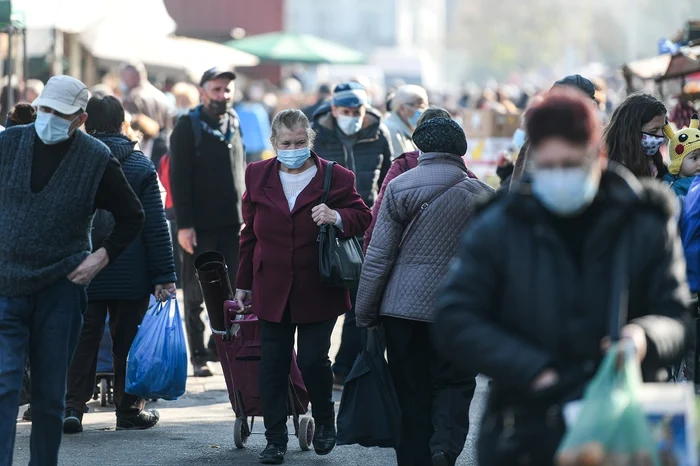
[(220, 107)]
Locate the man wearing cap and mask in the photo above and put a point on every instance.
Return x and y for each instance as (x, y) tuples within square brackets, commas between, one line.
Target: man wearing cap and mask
[(351, 133), (207, 168), (54, 178), (575, 81)]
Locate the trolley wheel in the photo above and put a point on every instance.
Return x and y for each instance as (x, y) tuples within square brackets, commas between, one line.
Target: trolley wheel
[(306, 433), (103, 391), (240, 432)]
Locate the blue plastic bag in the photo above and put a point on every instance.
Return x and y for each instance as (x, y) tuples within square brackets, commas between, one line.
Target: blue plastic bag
[(157, 362)]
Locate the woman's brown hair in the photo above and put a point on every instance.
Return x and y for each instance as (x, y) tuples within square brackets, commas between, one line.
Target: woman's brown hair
[(623, 136)]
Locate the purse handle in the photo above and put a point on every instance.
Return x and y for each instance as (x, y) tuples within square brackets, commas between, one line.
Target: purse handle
[(328, 175), (424, 207)]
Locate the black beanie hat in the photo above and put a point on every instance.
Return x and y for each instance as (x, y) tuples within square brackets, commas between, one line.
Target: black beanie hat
[(441, 135)]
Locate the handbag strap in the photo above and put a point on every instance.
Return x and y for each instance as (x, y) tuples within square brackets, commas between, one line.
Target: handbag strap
[(328, 175), (424, 207), (619, 295)]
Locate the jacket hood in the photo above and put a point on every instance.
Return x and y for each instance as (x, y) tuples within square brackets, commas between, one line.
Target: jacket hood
[(120, 145)]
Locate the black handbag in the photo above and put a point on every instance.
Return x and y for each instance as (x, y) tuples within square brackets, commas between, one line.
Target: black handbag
[(370, 414), (339, 259)]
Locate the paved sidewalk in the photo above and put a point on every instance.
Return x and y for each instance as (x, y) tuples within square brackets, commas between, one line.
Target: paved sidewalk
[(197, 429)]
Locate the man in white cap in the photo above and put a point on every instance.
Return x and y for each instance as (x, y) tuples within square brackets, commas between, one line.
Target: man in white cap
[(54, 177)]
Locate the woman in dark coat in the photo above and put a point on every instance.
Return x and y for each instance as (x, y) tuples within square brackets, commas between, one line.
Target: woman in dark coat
[(278, 270), (122, 289), (542, 277)]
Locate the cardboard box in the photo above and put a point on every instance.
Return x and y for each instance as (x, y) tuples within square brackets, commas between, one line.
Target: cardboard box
[(479, 124)]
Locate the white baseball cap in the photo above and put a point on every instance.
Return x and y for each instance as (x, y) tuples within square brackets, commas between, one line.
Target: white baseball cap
[(64, 94)]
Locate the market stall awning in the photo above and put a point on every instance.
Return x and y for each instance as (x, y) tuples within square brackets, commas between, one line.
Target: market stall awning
[(666, 66), (291, 47), (190, 55)]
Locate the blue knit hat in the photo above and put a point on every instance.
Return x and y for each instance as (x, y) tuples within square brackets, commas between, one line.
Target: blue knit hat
[(351, 95)]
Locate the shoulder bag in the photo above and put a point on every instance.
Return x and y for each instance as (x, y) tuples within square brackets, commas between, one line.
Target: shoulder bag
[(339, 259)]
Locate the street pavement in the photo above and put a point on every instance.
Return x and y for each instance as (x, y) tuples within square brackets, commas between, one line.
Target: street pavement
[(197, 429)]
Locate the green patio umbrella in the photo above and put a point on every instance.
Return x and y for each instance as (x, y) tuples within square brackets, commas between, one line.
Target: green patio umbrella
[(291, 47)]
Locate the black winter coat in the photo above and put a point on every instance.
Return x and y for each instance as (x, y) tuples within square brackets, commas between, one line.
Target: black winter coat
[(516, 302), (149, 260), (370, 155), (207, 183)]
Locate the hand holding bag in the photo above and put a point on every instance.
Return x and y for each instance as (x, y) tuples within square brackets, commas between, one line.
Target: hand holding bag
[(339, 259)]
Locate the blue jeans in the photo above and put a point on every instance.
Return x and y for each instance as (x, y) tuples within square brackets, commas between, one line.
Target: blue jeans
[(47, 326)]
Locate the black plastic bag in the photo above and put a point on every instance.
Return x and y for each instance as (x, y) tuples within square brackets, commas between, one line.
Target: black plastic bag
[(369, 413)]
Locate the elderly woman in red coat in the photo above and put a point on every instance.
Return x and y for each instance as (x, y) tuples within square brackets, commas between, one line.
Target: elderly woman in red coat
[(279, 273)]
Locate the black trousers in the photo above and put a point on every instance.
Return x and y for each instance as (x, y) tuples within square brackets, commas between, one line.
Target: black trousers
[(434, 396), (313, 345), (226, 241), (124, 320)]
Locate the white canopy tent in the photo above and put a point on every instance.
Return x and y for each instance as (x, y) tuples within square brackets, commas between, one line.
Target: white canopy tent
[(123, 30)]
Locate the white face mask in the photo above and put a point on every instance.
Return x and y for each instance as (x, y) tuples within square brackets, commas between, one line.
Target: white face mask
[(51, 128), (349, 124), (564, 191)]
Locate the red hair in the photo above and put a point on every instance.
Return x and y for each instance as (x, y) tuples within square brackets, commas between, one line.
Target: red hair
[(564, 113)]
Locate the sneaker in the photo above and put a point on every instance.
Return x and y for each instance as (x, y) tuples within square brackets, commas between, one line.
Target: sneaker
[(440, 459), (201, 371), (27, 416), (324, 440), (273, 454), (144, 419), (72, 421)]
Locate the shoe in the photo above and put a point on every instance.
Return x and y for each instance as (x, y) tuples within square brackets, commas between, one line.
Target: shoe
[(144, 419), (72, 421), (273, 454), (324, 440), (201, 371), (27, 416), (440, 459), (339, 381)]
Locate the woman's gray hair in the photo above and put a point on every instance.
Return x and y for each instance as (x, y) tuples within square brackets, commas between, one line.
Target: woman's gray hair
[(291, 119)]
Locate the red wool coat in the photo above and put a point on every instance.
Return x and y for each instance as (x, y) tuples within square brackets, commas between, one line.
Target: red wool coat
[(279, 249)]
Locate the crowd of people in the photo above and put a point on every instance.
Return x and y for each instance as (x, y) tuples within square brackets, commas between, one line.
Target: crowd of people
[(107, 201)]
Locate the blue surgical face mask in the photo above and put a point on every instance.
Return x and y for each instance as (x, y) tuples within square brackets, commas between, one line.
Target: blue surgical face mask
[(519, 138), (413, 121), (51, 128), (349, 124), (294, 158), (564, 191)]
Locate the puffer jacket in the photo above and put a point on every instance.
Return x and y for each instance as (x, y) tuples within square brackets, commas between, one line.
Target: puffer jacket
[(515, 301), (149, 260), (368, 156), (405, 283)]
